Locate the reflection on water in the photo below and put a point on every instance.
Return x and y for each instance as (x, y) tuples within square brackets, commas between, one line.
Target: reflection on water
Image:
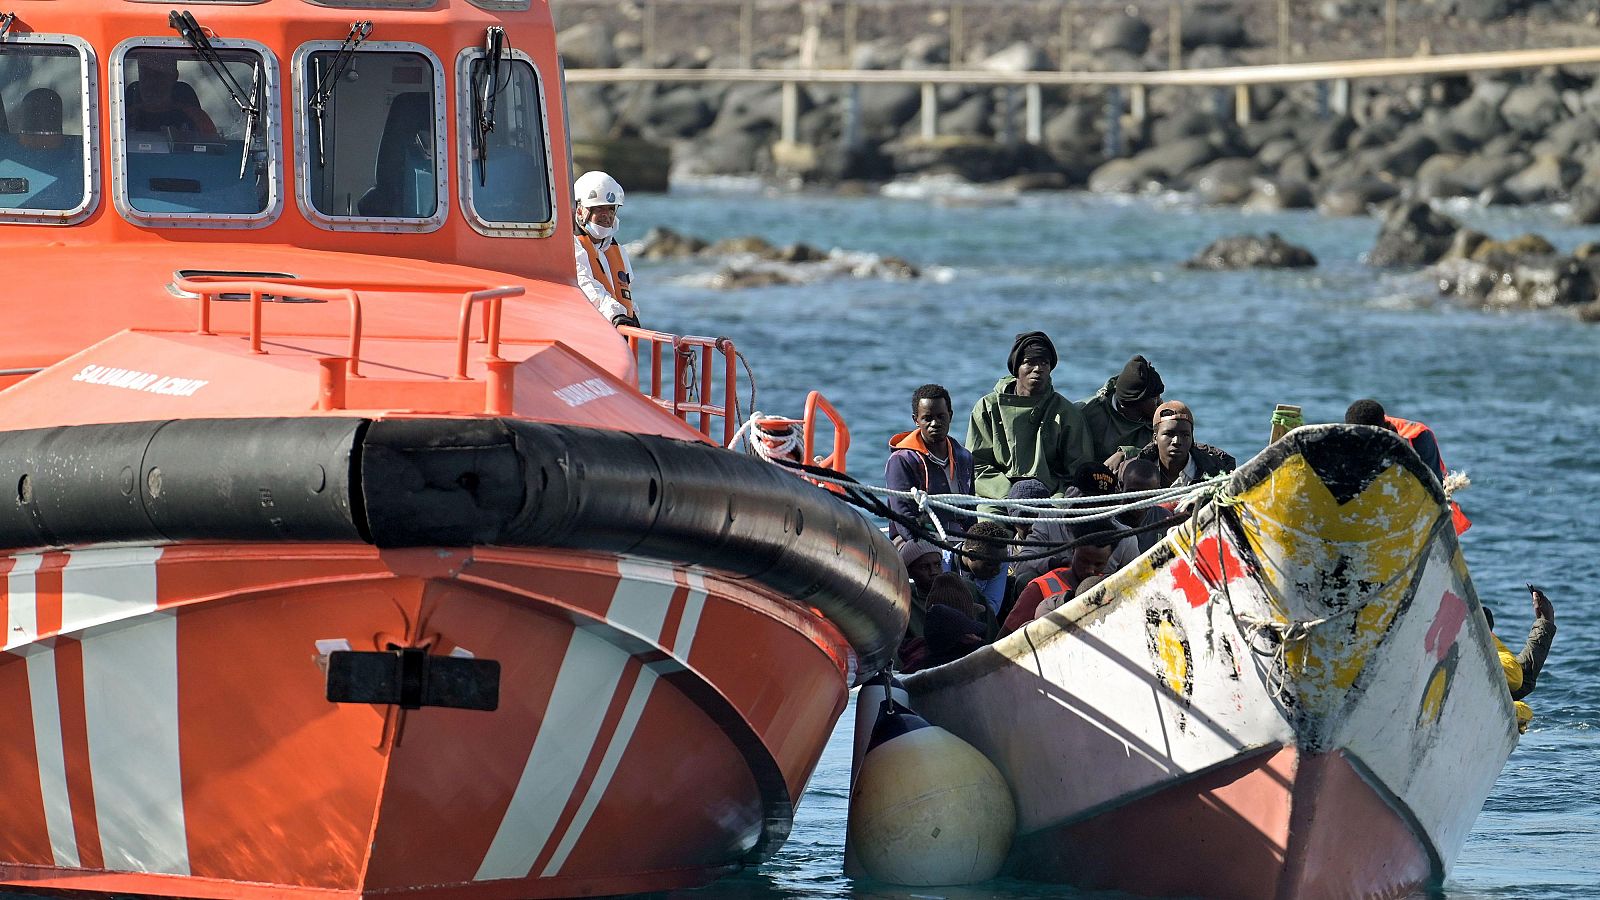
[(1512, 397)]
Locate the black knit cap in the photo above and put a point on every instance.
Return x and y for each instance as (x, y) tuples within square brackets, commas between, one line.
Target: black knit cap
[(1139, 380), (1030, 341)]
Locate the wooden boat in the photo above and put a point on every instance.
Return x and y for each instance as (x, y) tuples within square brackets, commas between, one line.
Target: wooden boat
[(343, 554), (1292, 695)]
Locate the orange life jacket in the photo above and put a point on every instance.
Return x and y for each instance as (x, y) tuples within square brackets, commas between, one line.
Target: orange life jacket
[(1052, 585), (1411, 431), (615, 275)]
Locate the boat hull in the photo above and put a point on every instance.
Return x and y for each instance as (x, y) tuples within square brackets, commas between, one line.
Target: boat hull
[(1306, 654), (641, 739)]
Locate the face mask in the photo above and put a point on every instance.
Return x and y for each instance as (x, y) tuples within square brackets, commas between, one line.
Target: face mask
[(600, 232)]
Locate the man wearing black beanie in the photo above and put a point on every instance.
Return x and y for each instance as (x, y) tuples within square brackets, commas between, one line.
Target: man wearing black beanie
[(1119, 415), (1024, 429)]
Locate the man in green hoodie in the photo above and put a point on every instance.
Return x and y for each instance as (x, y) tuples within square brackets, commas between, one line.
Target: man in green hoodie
[(1119, 415), (1024, 429)]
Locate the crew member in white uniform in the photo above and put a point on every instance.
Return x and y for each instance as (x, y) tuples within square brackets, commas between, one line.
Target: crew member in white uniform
[(603, 270)]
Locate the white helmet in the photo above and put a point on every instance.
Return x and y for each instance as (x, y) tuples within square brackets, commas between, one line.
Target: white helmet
[(597, 189)]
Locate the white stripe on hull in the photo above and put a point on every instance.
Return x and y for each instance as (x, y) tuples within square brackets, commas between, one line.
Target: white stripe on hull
[(46, 701), (106, 585), (584, 689), (130, 700), (22, 607)]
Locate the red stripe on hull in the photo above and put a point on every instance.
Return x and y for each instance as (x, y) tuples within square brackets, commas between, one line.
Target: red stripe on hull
[(24, 836), (1274, 826), (75, 738)]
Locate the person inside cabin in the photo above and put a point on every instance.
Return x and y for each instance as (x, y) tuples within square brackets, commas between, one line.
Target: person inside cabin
[(982, 565), (929, 459), (1522, 669), (1120, 414), (159, 102), (1024, 429), (1088, 558), (1422, 439), (604, 274), (1181, 459)]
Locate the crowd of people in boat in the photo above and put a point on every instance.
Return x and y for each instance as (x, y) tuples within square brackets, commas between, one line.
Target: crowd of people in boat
[(1025, 441)]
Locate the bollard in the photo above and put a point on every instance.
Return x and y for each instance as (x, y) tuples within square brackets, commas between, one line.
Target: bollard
[(930, 111), (1034, 115)]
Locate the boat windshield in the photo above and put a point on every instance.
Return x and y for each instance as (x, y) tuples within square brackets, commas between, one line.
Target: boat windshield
[(42, 157), (374, 141), (191, 150), (508, 167)]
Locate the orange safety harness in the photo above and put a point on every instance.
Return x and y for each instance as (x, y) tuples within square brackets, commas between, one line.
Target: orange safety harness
[(614, 275), (1411, 431)]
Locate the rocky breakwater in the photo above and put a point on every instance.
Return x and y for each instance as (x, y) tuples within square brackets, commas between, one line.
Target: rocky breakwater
[(1519, 137), (751, 262), (1522, 272)]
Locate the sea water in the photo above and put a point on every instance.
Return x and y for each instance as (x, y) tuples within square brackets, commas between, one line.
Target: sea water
[(1513, 397)]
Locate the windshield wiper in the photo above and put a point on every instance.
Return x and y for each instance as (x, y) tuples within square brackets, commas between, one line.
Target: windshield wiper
[(359, 31), (6, 21), (485, 89), (184, 23)]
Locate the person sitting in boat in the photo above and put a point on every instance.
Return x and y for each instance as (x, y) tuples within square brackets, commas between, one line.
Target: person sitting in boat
[(1091, 480), (1026, 489), (982, 565), (1024, 429), (159, 102), (1136, 476), (956, 625), (1522, 669), (1182, 460), (1421, 437), (929, 459), (1088, 558), (924, 562), (604, 273), (1055, 603), (1120, 414)]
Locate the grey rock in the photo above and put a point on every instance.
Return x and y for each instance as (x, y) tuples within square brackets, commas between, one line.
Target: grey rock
[(1213, 26), (973, 158), (1276, 151), (1034, 181), (1225, 182), (1297, 166), (1021, 56), (1464, 244), (680, 112), (664, 243), (1477, 119), (587, 45), (1355, 197), (1076, 125), (1119, 176), (1252, 252), (1402, 158), (1125, 32), (1413, 234), (1491, 87), (1546, 178), (1482, 171), (590, 114), (926, 51), (879, 54), (970, 118), (1496, 195), (1275, 195), (750, 108), (1435, 179), (1184, 123), (1532, 108), (743, 245), (1168, 161), (1568, 135), (1585, 206), (885, 108)]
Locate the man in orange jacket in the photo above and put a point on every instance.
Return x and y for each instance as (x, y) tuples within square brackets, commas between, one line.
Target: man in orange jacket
[(1371, 412)]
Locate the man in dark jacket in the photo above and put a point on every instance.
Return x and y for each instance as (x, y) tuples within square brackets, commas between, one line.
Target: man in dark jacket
[(1182, 460), (1119, 415), (929, 459)]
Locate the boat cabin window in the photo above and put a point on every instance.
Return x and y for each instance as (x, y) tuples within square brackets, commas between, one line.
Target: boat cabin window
[(47, 157), (506, 183), (195, 139), (370, 139)]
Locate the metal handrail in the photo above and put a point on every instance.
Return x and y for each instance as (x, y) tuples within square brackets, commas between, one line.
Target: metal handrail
[(490, 298), (692, 355), (205, 289)]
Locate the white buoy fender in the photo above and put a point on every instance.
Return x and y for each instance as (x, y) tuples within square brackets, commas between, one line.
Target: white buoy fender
[(929, 809)]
